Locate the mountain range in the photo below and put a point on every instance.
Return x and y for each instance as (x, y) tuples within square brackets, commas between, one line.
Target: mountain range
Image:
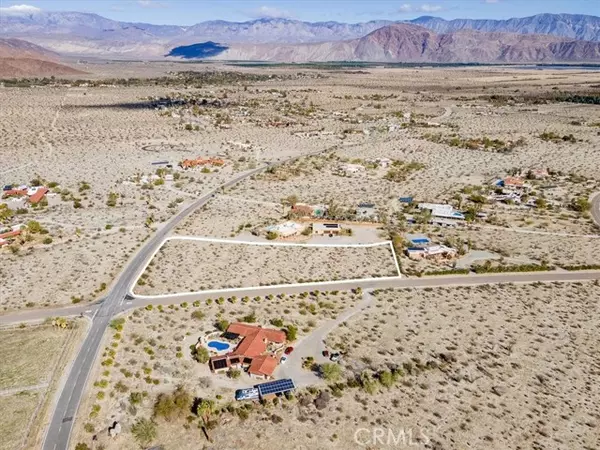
[(410, 43), (84, 34)]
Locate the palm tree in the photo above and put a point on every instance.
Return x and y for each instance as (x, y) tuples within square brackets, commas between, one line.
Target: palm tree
[(205, 409)]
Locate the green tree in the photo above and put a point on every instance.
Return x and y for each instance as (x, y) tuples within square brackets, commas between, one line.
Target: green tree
[(222, 325), (201, 355), (580, 204), (34, 226), (82, 446), (144, 431), (291, 332)]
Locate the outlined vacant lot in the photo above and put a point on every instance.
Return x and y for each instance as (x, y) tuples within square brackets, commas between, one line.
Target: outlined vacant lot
[(197, 264)]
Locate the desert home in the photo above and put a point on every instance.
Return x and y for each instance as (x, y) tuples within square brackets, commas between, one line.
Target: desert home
[(33, 194), (286, 229), (351, 169), (189, 163), (7, 237), (435, 251), (306, 210), (331, 229), (442, 211), (253, 352), (513, 184)]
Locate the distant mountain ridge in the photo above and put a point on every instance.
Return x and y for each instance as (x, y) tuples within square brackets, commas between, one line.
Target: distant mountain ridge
[(575, 26), (85, 34), (405, 42), (20, 58)]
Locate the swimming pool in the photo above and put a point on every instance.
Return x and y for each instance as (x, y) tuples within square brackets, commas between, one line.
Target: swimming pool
[(218, 346)]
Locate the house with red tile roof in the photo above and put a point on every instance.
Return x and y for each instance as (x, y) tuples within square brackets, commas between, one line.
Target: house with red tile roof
[(251, 352), (38, 195), (35, 194), (5, 238)]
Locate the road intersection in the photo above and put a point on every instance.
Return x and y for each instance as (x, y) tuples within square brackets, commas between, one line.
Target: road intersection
[(120, 299)]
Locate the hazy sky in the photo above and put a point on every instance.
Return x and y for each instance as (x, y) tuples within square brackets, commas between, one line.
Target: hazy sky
[(187, 12)]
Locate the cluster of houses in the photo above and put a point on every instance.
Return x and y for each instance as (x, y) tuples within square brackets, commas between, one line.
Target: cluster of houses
[(255, 351), (16, 197), (365, 211), (512, 189)]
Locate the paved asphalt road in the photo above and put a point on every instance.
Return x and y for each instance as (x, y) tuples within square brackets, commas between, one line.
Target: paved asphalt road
[(116, 301), (59, 431), (431, 281)]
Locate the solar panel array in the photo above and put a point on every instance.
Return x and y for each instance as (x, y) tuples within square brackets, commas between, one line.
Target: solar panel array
[(219, 364), (276, 387)]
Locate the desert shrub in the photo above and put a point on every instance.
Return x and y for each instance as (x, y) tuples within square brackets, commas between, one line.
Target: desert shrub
[(117, 324), (144, 431), (277, 322), (234, 373), (198, 315), (173, 406), (135, 398), (330, 371)]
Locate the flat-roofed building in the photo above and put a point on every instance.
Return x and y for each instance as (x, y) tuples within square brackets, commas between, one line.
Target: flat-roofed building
[(323, 229)]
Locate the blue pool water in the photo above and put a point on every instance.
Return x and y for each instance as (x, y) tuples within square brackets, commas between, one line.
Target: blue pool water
[(218, 345)]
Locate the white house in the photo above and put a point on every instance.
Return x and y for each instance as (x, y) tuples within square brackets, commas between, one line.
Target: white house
[(442, 210), (287, 229)]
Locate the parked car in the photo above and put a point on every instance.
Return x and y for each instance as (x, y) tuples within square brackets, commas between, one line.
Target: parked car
[(283, 359), (288, 350), (335, 357), (246, 394), (326, 353)]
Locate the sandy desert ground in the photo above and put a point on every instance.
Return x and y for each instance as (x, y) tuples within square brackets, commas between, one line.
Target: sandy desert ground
[(190, 266), (497, 367), (107, 136)]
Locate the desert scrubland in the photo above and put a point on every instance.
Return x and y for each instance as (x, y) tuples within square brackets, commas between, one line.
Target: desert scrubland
[(485, 367)]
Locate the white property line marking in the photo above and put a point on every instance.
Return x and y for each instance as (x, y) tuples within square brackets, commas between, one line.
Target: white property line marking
[(271, 287), (269, 244), (272, 244)]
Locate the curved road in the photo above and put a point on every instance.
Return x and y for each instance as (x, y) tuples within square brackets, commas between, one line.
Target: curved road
[(61, 424), (59, 431), (117, 300)]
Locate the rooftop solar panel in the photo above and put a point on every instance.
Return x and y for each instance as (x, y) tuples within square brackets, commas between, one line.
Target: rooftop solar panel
[(219, 364), (276, 387)]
